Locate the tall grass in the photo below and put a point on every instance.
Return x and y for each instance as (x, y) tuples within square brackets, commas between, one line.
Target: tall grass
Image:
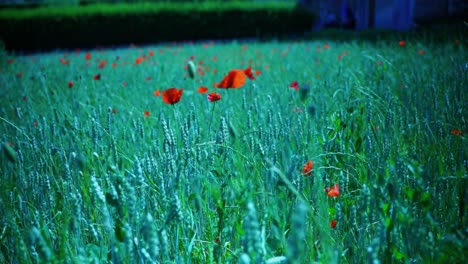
[(87, 176)]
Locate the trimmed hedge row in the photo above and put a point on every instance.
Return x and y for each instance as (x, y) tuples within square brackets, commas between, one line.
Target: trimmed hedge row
[(103, 25)]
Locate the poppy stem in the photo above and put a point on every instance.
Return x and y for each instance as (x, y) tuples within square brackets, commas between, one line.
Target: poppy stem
[(211, 118)]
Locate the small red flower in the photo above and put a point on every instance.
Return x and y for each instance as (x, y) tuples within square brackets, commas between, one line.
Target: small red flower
[(88, 56), (294, 85), (157, 93), (139, 60), (172, 95), (202, 89), (97, 77), (214, 96), (64, 61), (333, 223), (326, 46), (235, 79), (102, 64), (307, 169), (70, 84), (334, 191), (146, 113), (421, 52), (402, 43), (457, 132)]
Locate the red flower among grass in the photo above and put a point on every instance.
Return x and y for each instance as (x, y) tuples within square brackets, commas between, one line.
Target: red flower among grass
[(307, 169), (402, 43), (97, 77), (333, 223), (214, 96), (294, 85), (146, 113), (157, 93), (202, 89), (139, 60), (88, 56), (102, 64), (457, 132), (172, 95), (334, 191), (235, 78), (70, 84)]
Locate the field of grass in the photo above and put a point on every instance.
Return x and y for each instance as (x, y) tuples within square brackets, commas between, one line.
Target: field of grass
[(96, 168)]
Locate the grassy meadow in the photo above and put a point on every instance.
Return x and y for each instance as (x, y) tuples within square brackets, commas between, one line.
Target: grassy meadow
[(364, 161)]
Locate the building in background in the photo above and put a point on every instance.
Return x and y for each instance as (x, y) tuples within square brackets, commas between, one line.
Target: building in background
[(385, 14)]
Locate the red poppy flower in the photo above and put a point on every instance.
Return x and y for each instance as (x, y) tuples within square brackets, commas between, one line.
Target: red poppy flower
[(402, 43), (202, 89), (157, 93), (333, 223), (97, 77), (146, 113), (88, 56), (139, 60), (457, 132), (151, 53), (326, 46), (421, 52), (258, 72), (334, 191), (214, 96), (172, 95), (294, 85), (235, 78), (64, 61), (102, 64), (70, 84), (307, 169)]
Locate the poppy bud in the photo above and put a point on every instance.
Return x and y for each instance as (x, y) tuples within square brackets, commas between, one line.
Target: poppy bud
[(191, 69)]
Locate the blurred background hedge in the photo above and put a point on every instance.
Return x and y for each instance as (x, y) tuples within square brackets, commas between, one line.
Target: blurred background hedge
[(55, 24)]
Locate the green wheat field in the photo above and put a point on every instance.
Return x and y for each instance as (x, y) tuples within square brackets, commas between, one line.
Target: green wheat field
[(96, 168)]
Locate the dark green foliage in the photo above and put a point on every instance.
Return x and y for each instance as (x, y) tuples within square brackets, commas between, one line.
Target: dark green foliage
[(96, 25)]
